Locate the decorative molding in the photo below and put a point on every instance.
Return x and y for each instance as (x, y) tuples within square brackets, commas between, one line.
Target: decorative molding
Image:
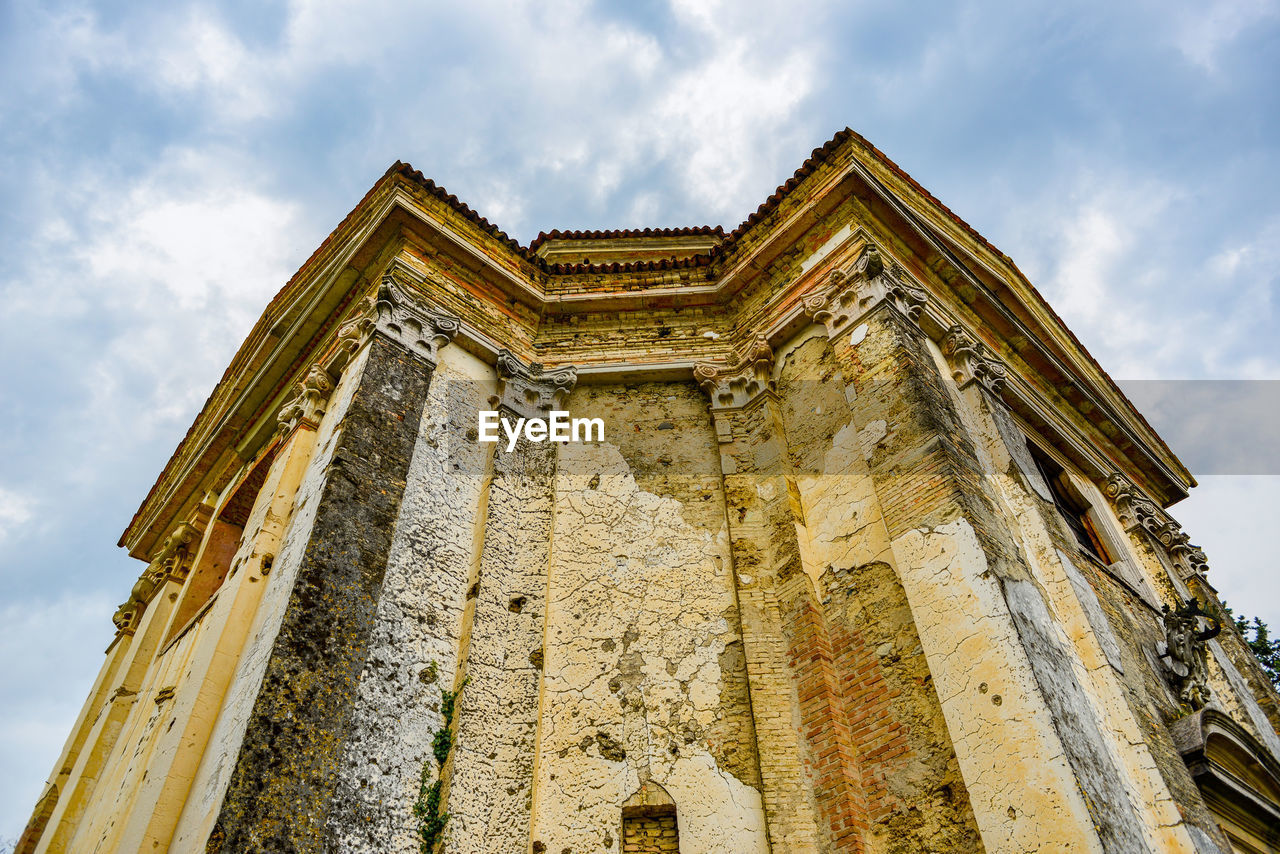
[(172, 560), (847, 296), (409, 322), (972, 361), (531, 390), (398, 314), (1186, 649), (737, 384), (1138, 512), (352, 334), (306, 406)]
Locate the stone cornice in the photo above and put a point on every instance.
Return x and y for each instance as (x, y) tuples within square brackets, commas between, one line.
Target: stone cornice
[(295, 327)]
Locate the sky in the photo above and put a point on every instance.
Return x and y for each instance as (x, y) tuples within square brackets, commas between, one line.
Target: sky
[(166, 166)]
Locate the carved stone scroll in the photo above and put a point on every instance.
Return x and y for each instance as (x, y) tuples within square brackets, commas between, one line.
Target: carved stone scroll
[(848, 295), (172, 560), (971, 361), (738, 383), (531, 390), (1138, 512), (307, 404), (399, 315)]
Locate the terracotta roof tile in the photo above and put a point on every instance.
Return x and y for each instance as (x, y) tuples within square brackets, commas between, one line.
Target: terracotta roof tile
[(683, 231)]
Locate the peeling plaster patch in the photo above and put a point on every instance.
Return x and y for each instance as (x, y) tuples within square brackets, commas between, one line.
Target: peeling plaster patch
[(871, 436), (627, 565), (858, 335), (835, 242)]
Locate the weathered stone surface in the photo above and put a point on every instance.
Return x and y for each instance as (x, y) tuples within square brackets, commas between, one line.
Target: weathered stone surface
[(414, 647), (287, 770)]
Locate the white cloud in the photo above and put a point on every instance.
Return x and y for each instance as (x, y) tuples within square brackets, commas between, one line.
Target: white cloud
[(16, 510), (1219, 516), (168, 272), (1204, 28)]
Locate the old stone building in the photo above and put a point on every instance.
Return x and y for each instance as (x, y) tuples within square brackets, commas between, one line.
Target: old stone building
[(872, 557)]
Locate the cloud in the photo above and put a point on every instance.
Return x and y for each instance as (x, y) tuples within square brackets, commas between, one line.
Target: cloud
[(51, 648), (1202, 30), (167, 167), (182, 260), (16, 510)]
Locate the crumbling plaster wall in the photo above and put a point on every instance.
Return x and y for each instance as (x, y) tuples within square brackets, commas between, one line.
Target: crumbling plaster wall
[(908, 775), (644, 676)]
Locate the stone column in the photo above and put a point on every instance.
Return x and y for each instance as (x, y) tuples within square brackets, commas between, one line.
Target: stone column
[(807, 766), (282, 787), (140, 624), (208, 666), (988, 637), (490, 771)]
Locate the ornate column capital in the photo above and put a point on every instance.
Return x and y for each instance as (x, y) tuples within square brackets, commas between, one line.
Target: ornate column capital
[(306, 406), (1138, 512), (971, 361), (399, 315), (737, 384), (848, 295), (531, 390), (411, 323), (171, 560)]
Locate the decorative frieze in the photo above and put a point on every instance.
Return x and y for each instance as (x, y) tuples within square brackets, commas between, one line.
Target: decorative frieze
[(848, 295), (531, 391), (1138, 512), (971, 361), (1186, 651), (736, 384)]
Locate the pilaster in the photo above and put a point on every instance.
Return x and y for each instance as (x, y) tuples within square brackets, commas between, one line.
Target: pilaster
[(490, 776), (968, 588), (808, 772), (285, 774)]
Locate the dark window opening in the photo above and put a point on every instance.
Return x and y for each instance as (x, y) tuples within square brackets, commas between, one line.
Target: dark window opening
[(1073, 510)]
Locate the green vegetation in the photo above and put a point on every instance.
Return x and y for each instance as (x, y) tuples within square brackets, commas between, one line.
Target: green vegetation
[(1257, 635), (431, 821)]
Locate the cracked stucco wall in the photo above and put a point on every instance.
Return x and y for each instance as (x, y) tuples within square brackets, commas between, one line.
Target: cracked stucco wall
[(644, 673)]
